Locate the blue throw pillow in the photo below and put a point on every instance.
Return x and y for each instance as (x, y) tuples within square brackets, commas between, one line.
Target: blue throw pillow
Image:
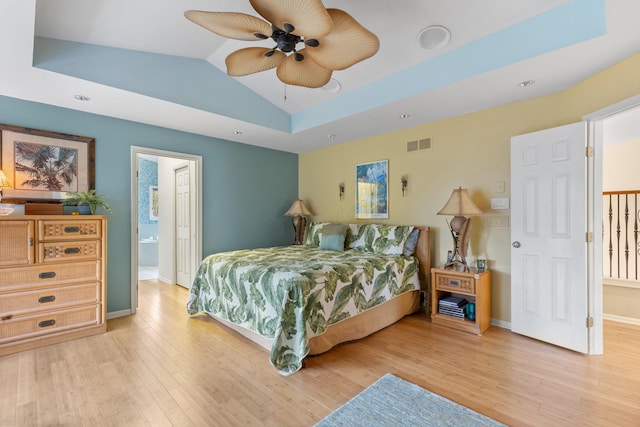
[(332, 237), (412, 241)]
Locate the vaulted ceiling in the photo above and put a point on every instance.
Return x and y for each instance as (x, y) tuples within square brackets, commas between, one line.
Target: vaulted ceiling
[(144, 61)]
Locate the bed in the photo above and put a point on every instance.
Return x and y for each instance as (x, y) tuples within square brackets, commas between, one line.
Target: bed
[(303, 300)]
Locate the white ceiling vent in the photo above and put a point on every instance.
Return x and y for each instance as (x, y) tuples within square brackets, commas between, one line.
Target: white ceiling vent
[(418, 145)]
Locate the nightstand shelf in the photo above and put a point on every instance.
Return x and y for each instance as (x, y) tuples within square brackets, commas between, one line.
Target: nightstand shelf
[(472, 285)]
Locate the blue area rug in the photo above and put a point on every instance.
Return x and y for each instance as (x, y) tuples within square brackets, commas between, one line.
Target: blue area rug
[(392, 401)]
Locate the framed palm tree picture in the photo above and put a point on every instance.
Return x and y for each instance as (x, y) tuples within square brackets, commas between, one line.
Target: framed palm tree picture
[(44, 165)]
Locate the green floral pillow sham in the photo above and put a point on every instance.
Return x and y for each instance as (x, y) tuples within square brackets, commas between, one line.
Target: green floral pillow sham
[(376, 238), (314, 233), (381, 239)]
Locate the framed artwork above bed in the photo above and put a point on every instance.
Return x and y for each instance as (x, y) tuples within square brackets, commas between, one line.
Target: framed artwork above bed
[(372, 190)]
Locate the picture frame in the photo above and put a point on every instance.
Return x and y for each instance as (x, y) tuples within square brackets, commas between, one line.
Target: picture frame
[(372, 190), (44, 165)]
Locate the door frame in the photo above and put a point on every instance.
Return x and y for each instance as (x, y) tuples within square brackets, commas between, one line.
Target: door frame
[(595, 289), (197, 232)]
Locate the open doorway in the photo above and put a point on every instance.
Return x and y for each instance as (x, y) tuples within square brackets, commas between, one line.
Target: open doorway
[(598, 133), (621, 217), (158, 251)]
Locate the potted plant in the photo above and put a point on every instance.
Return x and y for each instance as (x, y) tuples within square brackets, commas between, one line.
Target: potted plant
[(86, 201)]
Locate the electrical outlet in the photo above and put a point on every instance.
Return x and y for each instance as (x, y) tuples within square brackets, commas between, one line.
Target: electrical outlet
[(500, 187)]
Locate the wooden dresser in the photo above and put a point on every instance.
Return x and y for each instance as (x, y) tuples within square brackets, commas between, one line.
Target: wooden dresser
[(52, 279)]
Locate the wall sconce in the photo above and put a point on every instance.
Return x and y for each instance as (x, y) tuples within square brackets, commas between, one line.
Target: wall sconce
[(341, 190), (405, 182)]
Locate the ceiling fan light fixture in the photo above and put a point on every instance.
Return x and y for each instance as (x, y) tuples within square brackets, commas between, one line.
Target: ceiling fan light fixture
[(336, 41), (312, 43), (434, 37), (333, 86)]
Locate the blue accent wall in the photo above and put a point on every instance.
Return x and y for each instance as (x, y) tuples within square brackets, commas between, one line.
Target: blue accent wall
[(245, 192)]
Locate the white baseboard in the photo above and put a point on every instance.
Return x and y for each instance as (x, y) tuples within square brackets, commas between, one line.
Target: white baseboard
[(121, 313), (621, 319), (501, 324), (165, 280)]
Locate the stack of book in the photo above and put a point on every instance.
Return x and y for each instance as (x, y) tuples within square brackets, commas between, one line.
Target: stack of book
[(452, 306)]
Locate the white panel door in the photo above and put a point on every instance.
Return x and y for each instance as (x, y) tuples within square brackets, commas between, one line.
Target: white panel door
[(548, 236), (183, 231)]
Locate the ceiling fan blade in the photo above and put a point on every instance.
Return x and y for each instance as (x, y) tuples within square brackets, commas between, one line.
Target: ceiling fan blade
[(303, 73), (252, 60), (348, 43), (309, 17), (239, 26)]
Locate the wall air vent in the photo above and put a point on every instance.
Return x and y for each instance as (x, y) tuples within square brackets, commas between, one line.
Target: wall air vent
[(418, 145)]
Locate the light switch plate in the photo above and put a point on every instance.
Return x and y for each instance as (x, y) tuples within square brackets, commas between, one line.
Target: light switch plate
[(500, 203)]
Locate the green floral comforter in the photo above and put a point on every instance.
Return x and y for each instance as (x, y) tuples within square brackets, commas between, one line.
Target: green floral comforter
[(293, 293)]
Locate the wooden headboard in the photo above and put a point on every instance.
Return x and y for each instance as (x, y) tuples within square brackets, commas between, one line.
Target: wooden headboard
[(423, 253)]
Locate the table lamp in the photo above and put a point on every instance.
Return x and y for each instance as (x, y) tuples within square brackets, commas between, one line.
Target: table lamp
[(460, 206), (4, 183), (299, 213)]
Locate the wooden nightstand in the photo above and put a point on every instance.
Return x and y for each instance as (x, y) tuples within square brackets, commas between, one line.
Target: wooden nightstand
[(472, 285)]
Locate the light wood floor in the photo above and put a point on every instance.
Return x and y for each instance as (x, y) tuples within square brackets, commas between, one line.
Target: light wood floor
[(162, 367)]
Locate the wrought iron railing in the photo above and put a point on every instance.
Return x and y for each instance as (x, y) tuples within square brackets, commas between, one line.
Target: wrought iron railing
[(621, 234)]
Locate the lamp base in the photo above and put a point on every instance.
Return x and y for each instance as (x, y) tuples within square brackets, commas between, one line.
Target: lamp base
[(299, 226), (459, 227), (457, 259)]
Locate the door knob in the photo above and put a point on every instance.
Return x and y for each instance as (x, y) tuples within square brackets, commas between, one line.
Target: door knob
[(516, 244)]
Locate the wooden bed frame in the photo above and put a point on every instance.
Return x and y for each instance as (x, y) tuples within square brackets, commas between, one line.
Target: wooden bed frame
[(370, 321)]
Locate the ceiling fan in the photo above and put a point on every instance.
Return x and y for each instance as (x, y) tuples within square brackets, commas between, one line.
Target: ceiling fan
[(330, 39)]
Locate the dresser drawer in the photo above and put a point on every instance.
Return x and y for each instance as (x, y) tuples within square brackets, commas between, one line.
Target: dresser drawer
[(56, 321), (18, 303), (455, 283), (37, 276), (68, 251), (69, 230)]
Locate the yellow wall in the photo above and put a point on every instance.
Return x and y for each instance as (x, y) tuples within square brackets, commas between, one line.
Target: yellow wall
[(622, 302), (471, 151), (620, 166)]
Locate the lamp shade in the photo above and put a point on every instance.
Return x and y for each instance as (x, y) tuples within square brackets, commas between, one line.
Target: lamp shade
[(460, 204), (4, 182), (298, 209)]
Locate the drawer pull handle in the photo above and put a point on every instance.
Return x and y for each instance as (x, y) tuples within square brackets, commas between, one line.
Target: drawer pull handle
[(46, 323), (48, 298), (71, 251), (455, 283), (71, 229), (47, 275)]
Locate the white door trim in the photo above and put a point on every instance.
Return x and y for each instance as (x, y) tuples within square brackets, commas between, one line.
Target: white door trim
[(594, 220), (197, 233)]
